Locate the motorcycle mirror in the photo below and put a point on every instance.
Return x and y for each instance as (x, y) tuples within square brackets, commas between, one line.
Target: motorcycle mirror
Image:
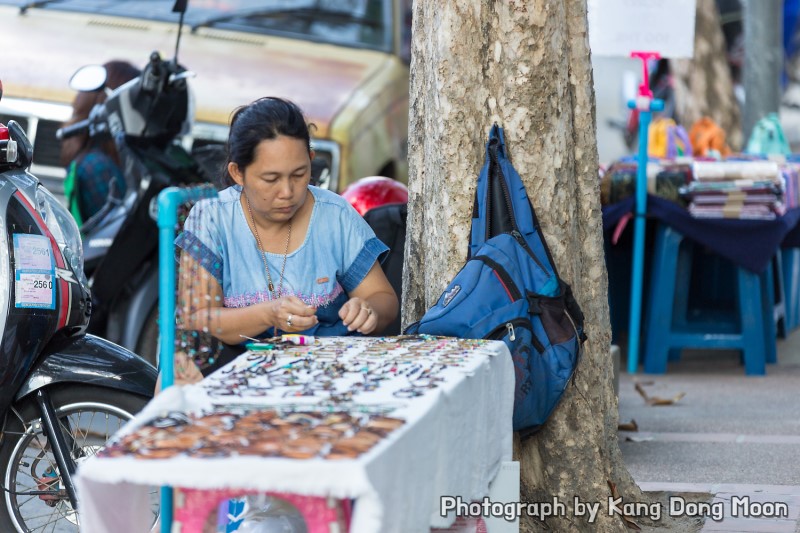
[(180, 6), (88, 78)]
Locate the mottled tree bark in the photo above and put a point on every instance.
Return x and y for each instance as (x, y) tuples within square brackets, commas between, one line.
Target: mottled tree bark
[(526, 65), (703, 85)]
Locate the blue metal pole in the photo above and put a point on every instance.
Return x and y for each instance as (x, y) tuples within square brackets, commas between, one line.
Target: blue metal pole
[(645, 105), (168, 202)]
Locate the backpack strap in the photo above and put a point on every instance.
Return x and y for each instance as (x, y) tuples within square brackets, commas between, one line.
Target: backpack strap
[(490, 213)]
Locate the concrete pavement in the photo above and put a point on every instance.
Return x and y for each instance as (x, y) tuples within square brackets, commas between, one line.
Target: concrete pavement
[(732, 436)]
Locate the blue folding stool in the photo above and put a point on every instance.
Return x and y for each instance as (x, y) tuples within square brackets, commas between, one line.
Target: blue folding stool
[(750, 328)]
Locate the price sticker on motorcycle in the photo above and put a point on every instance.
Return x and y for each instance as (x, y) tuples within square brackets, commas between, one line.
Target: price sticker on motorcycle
[(34, 272), (34, 289), (32, 252)]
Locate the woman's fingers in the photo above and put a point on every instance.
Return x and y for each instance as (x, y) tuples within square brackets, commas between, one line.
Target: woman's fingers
[(357, 315), (349, 312), (369, 322), (295, 315), (295, 305)]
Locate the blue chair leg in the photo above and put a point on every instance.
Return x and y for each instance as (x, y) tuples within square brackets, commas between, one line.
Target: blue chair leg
[(777, 294), (756, 328), (790, 262), (768, 317), (662, 299)]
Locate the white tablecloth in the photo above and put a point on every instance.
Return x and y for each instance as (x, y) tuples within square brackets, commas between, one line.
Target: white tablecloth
[(454, 439)]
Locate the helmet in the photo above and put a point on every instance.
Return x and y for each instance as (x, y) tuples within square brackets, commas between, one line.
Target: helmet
[(374, 191)]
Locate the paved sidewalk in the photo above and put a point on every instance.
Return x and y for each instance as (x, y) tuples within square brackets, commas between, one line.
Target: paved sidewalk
[(730, 435)]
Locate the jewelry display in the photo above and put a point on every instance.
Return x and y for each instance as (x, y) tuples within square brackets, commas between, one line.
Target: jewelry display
[(333, 398)]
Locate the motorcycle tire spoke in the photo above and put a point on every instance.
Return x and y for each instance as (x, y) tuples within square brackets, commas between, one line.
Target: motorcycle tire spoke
[(86, 424)]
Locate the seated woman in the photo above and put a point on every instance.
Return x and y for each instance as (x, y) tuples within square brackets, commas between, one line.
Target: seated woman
[(273, 254)]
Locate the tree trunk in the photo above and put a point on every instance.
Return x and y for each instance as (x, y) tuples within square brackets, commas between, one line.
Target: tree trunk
[(703, 85), (525, 65)]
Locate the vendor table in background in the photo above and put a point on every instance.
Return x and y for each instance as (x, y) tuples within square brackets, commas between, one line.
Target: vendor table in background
[(453, 396)]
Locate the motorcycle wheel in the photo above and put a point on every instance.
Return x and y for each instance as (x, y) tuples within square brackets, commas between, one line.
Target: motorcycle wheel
[(89, 416)]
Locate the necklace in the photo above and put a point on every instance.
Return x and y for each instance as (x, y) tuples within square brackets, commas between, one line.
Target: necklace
[(270, 286)]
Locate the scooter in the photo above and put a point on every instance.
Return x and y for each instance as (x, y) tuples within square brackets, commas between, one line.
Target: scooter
[(147, 118), (64, 392)]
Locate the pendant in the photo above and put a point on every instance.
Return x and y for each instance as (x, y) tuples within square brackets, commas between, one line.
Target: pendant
[(271, 287)]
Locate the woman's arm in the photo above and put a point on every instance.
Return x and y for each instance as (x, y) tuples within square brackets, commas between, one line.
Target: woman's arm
[(372, 305), (202, 309)]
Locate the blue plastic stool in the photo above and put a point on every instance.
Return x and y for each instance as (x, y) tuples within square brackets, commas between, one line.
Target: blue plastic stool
[(790, 261), (775, 286), (750, 327)]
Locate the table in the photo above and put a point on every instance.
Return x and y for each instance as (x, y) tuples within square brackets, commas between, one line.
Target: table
[(442, 406), (747, 243)]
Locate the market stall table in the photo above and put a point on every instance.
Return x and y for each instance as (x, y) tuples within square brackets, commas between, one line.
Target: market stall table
[(393, 423)]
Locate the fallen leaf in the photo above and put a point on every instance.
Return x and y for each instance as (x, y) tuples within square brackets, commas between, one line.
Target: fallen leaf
[(629, 523), (666, 401), (639, 438), (655, 400), (641, 391), (628, 426)]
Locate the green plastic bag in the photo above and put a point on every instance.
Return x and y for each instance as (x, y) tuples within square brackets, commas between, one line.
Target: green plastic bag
[(768, 138), (71, 193)]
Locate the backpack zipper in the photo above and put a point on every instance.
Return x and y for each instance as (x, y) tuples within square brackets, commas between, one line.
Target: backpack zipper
[(522, 242), (508, 328), (502, 182), (505, 279)]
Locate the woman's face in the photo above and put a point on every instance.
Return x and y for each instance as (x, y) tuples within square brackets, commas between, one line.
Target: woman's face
[(276, 181)]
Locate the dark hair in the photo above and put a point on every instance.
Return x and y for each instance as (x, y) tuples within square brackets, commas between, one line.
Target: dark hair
[(117, 73), (265, 119)]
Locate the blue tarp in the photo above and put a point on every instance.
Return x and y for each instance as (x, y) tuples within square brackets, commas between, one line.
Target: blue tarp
[(747, 243)]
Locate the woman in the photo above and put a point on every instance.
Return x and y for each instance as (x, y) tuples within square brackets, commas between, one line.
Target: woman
[(272, 254), (92, 165)]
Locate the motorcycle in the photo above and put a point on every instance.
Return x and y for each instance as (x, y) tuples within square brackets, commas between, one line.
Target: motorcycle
[(65, 392), (147, 118)]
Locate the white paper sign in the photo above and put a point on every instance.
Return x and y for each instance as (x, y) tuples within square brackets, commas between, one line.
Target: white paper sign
[(619, 27), (34, 289), (32, 252)]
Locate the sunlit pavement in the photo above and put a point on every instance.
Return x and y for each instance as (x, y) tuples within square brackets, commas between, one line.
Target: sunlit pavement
[(734, 436)]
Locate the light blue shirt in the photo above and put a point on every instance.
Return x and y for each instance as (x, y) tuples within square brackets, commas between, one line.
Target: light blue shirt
[(338, 251)]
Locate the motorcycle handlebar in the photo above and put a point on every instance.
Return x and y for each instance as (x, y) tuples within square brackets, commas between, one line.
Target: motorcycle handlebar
[(72, 129)]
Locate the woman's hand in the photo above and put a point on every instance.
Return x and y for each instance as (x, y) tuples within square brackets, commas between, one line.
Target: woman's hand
[(290, 313), (359, 316)]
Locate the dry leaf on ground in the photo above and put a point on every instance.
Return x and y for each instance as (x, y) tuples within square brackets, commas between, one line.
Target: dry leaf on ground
[(655, 400), (629, 523)]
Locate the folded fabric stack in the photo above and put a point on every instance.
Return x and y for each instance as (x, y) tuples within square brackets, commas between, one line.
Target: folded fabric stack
[(791, 173), (736, 189)]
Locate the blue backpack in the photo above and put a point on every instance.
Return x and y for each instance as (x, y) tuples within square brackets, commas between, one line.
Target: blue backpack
[(509, 290)]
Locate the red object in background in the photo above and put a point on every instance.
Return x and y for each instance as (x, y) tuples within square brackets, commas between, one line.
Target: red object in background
[(374, 191), (3, 133)]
